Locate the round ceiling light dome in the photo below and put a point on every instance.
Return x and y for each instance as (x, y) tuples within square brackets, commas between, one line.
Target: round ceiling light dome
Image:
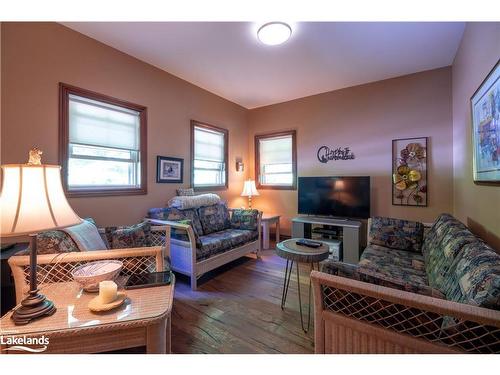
[(274, 33)]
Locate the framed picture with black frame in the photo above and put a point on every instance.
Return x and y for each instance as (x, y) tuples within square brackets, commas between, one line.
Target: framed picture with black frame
[(169, 170)]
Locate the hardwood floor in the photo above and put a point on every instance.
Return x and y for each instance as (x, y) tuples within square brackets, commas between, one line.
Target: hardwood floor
[(236, 309)]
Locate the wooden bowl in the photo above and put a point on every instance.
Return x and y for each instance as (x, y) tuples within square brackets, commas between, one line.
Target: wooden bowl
[(91, 274)]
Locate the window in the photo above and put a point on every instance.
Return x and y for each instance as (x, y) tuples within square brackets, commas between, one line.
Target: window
[(103, 144), (208, 156), (275, 160)]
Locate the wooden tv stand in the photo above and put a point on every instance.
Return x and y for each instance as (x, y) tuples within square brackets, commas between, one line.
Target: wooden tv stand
[(347, 230)]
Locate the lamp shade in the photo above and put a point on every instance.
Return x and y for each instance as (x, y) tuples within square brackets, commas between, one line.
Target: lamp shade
[(249, 189), (33, 200)]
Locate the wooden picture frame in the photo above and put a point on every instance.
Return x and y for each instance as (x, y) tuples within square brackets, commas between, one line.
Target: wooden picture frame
[(409, 172), (485, 126), (169, 170)]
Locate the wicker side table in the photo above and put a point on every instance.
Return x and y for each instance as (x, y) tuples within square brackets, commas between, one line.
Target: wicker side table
[(143, 320), (294, 253)]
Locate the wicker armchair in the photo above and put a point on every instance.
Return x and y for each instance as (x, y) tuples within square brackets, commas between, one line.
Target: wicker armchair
[(357, 317), (443, 299), (54, 268)]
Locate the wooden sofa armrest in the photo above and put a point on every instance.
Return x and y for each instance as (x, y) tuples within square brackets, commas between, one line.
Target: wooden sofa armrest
[(452, 324), (174, 224)]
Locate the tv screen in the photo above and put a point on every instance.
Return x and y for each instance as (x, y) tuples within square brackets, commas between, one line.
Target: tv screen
[(335, 196)]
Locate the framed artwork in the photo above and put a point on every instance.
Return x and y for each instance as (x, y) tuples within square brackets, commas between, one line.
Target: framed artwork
[(485, 110), (409, 172), (169, 170)]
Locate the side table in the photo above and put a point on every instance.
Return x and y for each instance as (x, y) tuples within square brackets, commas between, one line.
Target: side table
[(143, 320), (294, 253), (266, 221)]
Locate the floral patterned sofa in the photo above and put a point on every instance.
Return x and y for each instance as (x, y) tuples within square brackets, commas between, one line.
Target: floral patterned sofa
[(204, 238), (410, 291)]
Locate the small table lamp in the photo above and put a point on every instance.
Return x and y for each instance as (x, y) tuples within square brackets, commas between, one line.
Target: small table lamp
[(32, 200), (249, 190)]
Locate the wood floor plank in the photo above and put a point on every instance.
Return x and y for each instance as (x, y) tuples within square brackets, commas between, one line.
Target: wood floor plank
[(236, 309)]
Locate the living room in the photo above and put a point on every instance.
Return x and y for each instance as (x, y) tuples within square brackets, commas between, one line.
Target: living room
[(206, 153)]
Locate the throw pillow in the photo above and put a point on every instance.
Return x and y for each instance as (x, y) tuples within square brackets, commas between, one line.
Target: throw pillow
[(397, 234), (245, 219), (214, 218), (55, 241), (138, 235)]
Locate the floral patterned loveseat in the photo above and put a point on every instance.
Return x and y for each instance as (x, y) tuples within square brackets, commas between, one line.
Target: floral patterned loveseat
[(204, 238), (410, 291)]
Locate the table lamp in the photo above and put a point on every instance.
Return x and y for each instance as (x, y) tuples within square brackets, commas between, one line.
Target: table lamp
[(249, 190), (32, 200)]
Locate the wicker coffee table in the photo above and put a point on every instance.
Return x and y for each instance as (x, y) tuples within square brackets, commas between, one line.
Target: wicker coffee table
[(294, 253)]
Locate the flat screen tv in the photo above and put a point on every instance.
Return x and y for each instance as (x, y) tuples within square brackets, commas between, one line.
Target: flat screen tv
[(336, 196)]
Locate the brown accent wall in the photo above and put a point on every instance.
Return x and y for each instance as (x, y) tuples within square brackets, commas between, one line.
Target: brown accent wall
[(37, 56), (366, 118), (477, 205)]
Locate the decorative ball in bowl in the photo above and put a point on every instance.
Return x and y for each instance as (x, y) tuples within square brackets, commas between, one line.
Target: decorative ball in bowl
[(91, 274)]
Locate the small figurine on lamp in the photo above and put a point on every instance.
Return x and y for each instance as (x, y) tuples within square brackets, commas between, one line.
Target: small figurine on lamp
[(249, 190)]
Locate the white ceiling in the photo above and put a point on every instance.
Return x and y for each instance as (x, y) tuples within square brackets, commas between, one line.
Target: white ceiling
[(228, 60)]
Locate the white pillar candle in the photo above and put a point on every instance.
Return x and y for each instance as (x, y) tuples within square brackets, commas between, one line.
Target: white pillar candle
[(107, 291)]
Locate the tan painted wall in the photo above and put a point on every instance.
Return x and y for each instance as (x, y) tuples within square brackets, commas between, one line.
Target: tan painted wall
[(474, 204), (37, 56), (366, 118)]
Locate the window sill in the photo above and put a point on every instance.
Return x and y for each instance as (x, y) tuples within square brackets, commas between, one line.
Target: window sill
[(276, 187), (78, 193)]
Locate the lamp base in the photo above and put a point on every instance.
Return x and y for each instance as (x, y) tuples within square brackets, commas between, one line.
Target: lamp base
[(33, 307)]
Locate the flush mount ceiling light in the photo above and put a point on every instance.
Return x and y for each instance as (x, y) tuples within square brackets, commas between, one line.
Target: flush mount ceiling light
[(274, 33)]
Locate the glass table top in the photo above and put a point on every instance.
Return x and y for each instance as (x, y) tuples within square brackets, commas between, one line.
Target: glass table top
[(73, 312)]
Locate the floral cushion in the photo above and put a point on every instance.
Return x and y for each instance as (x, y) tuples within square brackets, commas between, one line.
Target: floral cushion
[(451, 237), (222, 241), (214, 218), (433, 236), (245, 219), (397, 234), (55, 241), (402, 266), (475, 276), (356, 272), (138, 235)]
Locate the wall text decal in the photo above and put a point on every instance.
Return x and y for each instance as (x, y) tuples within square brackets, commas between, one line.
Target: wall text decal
[(325, 154)]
